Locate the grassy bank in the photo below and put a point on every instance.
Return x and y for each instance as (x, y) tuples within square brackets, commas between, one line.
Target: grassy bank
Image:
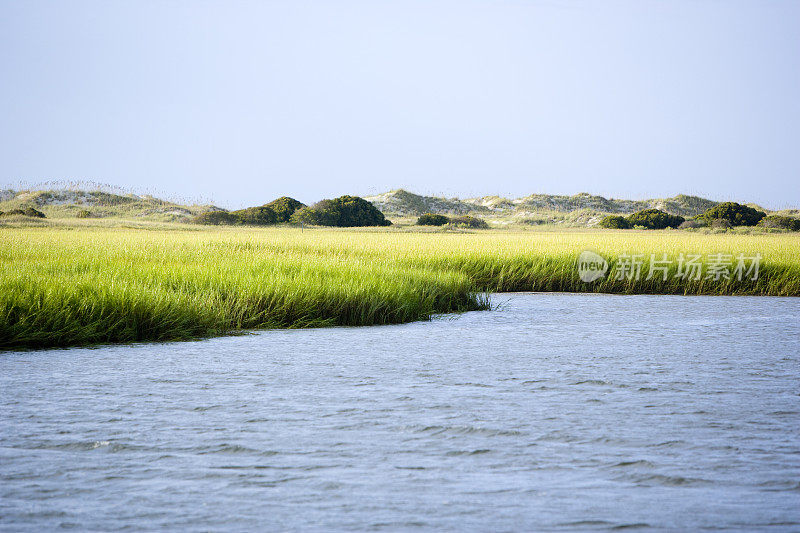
[(65, 286)]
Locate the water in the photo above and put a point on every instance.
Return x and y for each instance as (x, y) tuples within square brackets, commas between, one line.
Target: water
[(555, 412)]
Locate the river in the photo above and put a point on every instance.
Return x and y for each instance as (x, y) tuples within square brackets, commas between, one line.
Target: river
[(551, 412)]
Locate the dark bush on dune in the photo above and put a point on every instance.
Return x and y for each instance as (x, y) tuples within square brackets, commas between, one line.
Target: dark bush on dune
[(313, 216), (430, 219), (284, 207), (27, 212), (615, 222), (780, 222), (83, 213), (256, 216), (345, 211), (216, 218), (655, 219), (735, 214), (469, 222)]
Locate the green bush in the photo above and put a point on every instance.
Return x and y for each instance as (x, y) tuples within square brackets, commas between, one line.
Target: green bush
[(615, 222), (27, 212), (469, 222), (431, 219), (655, 219), (215, 218), (83, 213), (345, 211), (256, 216), (735, 214), (285, 207), (780, 222)]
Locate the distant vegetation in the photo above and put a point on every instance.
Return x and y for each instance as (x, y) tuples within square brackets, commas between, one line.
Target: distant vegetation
[(655, 219), (615, 222), (464, 221), (720, 217), (255, 216), (216, 218), (284, 207), (403, 203), (430, 219), (277, 211), (734, 214), (469, 222), (646, 218), (343, 212), (780, 222), (580, 210), (27, 212), (100, 204)]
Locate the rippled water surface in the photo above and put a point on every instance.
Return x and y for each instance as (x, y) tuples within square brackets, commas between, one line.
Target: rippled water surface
[(554, 412)]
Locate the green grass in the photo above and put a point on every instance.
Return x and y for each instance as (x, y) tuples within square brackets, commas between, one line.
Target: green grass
[(85, 284)]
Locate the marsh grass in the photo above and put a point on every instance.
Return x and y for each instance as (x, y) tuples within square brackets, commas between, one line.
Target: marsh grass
[(77, 285)]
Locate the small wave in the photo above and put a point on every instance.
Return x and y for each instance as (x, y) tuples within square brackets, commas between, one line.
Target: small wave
[(667, 444), (780, 486), (586, 523), (558, 436), (457, 453), (201, 408), (77, 446), (638, 525), (465, 430), (593, 382), (636, 464), (668, 481), (227, 448)]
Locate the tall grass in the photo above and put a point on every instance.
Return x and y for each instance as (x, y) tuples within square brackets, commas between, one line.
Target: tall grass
[(73, 286)]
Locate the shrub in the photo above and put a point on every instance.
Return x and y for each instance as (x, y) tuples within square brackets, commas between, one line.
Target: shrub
[(693, 223), (313, 216), (615, 222), (780, 222), (430, 219), (27, 212), (284, 207), (345, 211), (735, 214), (255, 216), (215, 218), (720, 223), (655, 219), (469, 222), (83, 213)]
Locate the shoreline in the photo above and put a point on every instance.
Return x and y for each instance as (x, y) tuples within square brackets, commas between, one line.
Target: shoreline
[(83, 287)]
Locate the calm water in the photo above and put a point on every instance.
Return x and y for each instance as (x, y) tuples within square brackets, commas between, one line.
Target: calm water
[(555, 412)]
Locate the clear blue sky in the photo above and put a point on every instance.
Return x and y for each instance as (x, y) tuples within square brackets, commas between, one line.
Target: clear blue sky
[(240, 102)]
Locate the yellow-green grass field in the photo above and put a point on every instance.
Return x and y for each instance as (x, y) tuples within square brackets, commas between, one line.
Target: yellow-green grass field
[(67, 285)]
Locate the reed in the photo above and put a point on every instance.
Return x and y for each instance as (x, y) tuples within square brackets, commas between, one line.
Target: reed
[(78, 285)]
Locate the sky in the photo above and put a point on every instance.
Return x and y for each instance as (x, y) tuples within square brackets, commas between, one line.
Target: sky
[(238, 102)]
